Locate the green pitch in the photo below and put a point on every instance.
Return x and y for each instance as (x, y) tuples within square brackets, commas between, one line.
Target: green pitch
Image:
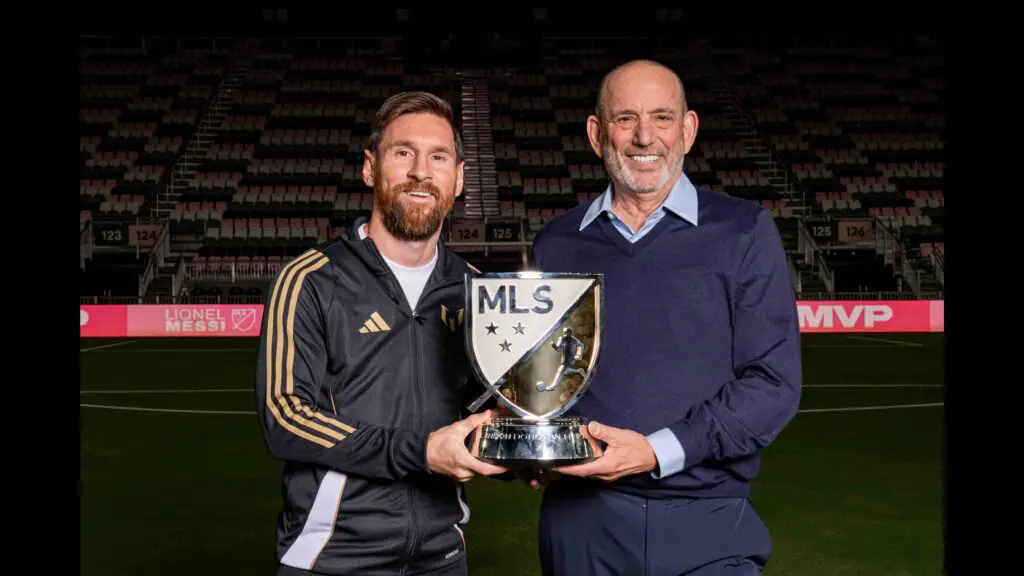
[(844, 492)]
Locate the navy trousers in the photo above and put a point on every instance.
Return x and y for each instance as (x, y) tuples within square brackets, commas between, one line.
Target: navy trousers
[(457, 569), (593, 531)]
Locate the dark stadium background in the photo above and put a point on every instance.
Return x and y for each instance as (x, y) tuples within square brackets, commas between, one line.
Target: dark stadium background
[(192, 129)]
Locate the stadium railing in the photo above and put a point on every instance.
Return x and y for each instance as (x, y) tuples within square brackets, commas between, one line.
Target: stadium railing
[(156, 257), (812, 255), (178, 280), (939, 263), (794, 275), (888, 245), (773, 156), (232, 272), (85, 244), (824, 271)]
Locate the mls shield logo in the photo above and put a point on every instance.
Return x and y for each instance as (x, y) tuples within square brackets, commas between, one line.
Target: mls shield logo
[(243, 319), (533, 338)]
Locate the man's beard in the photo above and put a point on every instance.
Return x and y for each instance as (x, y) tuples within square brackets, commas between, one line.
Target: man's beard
[(613, 164), (412, 223)]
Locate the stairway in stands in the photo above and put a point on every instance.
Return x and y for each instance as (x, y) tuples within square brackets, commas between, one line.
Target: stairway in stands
[(776, 175), (481, 180), (185, 168), (810, 282), (756, 147)]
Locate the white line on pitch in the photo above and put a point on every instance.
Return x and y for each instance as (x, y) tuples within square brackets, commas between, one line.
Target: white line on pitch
[(140, 409), (207, 391), (867, 408), (90, 349), (874, 386), (877, 339), (182, 350), (839, 346)]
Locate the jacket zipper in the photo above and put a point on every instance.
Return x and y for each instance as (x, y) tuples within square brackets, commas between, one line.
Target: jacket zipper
[(418, 379), (414, 539), (413, 543), (396, 298)]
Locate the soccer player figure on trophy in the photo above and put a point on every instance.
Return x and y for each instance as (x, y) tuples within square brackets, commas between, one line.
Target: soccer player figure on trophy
[(572, 352)]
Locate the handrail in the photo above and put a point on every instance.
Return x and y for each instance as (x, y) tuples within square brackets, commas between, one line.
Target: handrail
[(885, 241), (177, 281), (813, 255), (156, 258), (233, 272), (873, 295), (788, 178), (939, 264), (794, 274), (172, 300), (910, 274), (178, 171), (85, 242), (825, 272)]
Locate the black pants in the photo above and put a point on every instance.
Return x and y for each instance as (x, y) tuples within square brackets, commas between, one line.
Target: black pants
[(597, 532), (457, 569)]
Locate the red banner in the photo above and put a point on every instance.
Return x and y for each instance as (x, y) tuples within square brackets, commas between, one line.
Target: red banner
[(872, 316), (149, 321), (199, 320), (102, 321)]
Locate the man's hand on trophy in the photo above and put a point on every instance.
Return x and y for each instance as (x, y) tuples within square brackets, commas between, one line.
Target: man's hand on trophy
[(627, 452), (447, 453)]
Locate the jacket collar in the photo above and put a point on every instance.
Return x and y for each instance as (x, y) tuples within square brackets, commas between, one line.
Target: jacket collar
[(371, 256)]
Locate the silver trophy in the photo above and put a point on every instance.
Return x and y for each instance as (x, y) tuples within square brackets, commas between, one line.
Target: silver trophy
[(533, 340)]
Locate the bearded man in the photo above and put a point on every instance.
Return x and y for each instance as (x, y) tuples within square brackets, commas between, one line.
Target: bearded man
[(700, 364), (362, 372)]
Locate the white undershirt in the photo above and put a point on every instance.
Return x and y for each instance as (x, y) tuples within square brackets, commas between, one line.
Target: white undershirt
[(412, 279)]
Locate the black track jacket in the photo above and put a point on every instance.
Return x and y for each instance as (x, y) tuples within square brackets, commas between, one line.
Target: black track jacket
[(350, 382)]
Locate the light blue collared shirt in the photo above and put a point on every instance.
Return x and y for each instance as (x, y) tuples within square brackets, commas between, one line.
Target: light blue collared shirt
[(681, 201)]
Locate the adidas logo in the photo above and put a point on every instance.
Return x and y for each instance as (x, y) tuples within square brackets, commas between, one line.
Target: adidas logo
[(374, 324)]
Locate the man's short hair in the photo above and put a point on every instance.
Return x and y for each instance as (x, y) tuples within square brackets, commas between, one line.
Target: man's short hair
[(414, 102)]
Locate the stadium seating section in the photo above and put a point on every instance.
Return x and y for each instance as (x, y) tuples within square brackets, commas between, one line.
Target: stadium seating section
[(136, 112), (818, 134)]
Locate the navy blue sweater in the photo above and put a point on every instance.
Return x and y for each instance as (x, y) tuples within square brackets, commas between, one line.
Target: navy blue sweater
[(700, 336)]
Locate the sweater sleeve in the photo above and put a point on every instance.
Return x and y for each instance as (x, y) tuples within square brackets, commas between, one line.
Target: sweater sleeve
[(751, 410)]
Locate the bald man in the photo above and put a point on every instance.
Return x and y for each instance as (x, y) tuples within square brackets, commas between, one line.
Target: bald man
[(700, 366)]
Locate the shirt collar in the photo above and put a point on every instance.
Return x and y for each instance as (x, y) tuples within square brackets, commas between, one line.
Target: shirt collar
[(681, 201)]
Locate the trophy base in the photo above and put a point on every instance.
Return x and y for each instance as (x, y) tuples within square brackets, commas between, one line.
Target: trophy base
[(521, 443)]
